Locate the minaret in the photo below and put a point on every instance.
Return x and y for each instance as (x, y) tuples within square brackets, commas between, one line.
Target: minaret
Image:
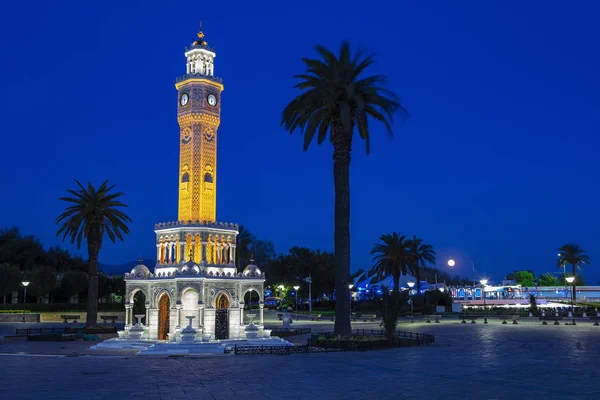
[(198, 115)]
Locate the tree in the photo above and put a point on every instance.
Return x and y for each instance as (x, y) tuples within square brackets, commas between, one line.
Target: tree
[(336, 99), (244, 240), (263, 251), (392, 257), (524, 278), (391, 304), (93, 213), (73, 283), (10, 278), (43, 280), (547, 279), (574, 255), (421, 255)]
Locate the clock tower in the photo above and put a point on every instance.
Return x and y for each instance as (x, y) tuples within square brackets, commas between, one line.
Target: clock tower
[(198, 115)]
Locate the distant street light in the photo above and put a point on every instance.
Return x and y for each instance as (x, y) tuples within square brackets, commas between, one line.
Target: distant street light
[(296, 289), (571, 279), (483, 283), (25, 284), (412, 309), (309, 281)]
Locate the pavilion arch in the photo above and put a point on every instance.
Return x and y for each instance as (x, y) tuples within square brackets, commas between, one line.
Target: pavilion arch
[(189, 300), (224, 292), (248, 293), (254, 289), (159, 295), (134, 291)]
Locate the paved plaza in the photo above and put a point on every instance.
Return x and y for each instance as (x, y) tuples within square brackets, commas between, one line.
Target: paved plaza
[(467, 361)]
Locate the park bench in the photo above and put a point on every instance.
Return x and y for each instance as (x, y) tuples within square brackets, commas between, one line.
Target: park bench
[(113, 318), (514, 318), (472, 317), (428, 318), (554, 318), (370, 317), (68, 317), (315, 317)]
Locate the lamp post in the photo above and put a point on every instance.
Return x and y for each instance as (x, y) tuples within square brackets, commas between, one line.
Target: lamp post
[(412, 309), (25, 284), (571, 279), (296, 289), (309, 281), (483, 283)]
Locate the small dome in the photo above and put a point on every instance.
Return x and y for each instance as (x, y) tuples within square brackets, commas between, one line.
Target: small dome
[(140, 270), (251, 270)]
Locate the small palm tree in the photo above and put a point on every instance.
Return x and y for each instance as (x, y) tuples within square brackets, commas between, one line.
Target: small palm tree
[(336, 100), (92, 213), (422, 254), (574, 255), (392, 257)]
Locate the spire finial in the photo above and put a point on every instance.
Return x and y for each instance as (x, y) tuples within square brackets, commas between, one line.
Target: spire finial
[(200, 33), (141, 260)]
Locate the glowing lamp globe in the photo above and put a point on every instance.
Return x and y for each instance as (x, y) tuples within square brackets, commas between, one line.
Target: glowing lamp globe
[(570, 279), (410, 284), (483, 282), (451, 263)]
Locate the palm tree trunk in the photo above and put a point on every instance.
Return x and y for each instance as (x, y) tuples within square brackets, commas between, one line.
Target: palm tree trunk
[(418, 278), (341, 178), (92, 297), (574, 288), (397, 280)]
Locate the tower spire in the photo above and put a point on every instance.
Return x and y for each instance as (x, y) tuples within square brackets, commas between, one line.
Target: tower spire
[(200, 41)]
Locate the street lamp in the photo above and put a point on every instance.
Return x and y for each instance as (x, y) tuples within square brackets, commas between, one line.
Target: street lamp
[(296, 289), (25, 284), (412, 309), (309, 281), (571, 279), (483, 283)]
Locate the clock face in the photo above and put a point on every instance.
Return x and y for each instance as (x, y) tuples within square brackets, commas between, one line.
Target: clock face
[(212, 100), (184, 99)]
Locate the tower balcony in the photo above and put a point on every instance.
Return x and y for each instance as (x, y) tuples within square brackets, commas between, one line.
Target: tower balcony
[(199, 76), (194, 224)]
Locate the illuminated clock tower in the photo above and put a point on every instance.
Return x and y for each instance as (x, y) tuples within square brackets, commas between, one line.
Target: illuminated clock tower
[(198, 115), (196, 235)]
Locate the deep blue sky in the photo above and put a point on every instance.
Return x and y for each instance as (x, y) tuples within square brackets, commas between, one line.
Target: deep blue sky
[(498, 163)]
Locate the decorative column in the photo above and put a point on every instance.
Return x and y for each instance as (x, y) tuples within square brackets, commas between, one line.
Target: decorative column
[(203, 250), (181, 251), (168, 259), (233, 254), (200, 314), (190, 254), (178, 306), (261, 305), (147, 313), (241, 313), (128, 311), (158, 253)]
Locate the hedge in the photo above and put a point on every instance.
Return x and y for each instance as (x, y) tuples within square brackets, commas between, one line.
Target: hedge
[(57, 307)]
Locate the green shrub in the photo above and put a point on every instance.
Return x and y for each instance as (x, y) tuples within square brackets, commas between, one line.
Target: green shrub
[(50, 338), (14, 311)]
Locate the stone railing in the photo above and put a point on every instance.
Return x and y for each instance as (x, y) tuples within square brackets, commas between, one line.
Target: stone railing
[(198, 75), (207, 224), (193, 273), (199, 46)]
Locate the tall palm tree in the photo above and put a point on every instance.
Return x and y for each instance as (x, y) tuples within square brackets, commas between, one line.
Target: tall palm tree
[(422, 254), (92, 213), (335, 100), (574, 255), (392, 257)]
